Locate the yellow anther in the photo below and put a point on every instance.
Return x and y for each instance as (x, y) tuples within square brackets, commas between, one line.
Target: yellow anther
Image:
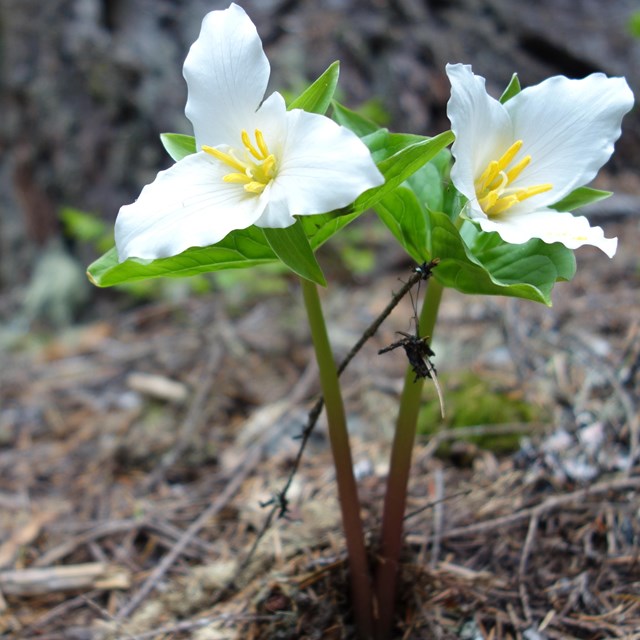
[(509, 155), (487, 177), (255, 187), (262, 145), (246, 141), (502, 204), (227, 158), (237, 178), (517, 169), (257, 168), (528, 192), (489, 200), (269, 166), (493, 187)]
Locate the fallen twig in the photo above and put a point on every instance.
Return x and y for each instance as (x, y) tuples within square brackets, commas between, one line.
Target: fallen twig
[(93, 575)]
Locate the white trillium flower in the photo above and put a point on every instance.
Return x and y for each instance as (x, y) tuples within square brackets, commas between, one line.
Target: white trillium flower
[(514, 160), (257, 164)]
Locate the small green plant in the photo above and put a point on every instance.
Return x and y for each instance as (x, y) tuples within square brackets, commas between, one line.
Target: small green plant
[(265, 182)]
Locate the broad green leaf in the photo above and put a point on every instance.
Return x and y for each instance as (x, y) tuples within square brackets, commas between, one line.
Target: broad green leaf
[(402, 164), (513, 89), (404, 211), (292, 247), (493, 267), (240, 249), (178, 145), (320, 228), (429, 182), (470, 260), (403, 215), (382, 144), (360, 125), (317, 97), (581, 197)]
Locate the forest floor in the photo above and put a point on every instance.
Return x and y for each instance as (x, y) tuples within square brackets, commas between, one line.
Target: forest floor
[(137, 451)]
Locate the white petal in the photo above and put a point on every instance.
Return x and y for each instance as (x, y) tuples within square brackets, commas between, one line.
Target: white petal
[(568, 127), (321, 167), (480, 124), (185, 206), (227, 73), (550, 226)]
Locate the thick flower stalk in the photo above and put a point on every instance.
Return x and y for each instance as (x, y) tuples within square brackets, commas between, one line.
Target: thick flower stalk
[(514, 160), (256, 164)]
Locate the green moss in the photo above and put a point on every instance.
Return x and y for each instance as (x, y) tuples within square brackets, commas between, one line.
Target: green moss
[(471, 400)]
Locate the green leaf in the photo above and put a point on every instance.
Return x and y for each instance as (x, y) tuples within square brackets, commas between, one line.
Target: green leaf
[(317, 97), (399, 166), (487, 265), (404, 216), (404, 211), (382, 144), (178, 145), (360, 125), (319, 228), (292, 247), (513, 89), (429, 182), (581, 197), (240, 249)]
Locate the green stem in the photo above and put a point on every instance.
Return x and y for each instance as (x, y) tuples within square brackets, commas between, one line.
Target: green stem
[(347, 489), (398, 478)]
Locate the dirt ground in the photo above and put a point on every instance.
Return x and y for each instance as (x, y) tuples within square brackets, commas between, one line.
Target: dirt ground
[(137, 453)]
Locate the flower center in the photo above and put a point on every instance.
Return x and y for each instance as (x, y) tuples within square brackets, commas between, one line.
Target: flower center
[(255, 170), (493, 187)]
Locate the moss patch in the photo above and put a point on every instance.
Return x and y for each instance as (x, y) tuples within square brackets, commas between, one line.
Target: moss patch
[(473, 399)]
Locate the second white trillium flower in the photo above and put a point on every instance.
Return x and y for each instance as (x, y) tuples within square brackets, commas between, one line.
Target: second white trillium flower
[(514, 160), (257, 164)]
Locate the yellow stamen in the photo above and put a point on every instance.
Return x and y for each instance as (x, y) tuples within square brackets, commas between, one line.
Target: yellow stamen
[(502, 204), (262, 145), (227, 158), (246, 141), (237, 178), (509, 154), (517, 169), (495, 195), (255, 170), (255, 187), (489, 200), (528, 192), (487, 176)]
